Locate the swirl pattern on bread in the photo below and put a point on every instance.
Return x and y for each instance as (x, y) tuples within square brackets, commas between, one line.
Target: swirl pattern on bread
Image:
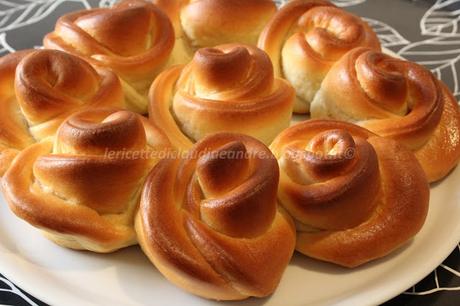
[(229, 88), (134, 39), (354, 196), (82, 187), (397, 99), (43, 87), (209, 221), (306, 37)]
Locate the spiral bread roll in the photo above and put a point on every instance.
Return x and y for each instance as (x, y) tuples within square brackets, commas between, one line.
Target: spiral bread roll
[(306, 37), (39, 89), (354, 196), (396, 99), (207, 23), (82, 188), (134, 39), (226, 88), (210, 223)]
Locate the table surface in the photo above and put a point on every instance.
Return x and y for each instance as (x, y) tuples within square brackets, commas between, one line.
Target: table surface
[(424, 31)]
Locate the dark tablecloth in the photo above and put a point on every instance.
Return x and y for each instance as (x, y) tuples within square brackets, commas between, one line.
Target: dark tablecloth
[(408, 28)]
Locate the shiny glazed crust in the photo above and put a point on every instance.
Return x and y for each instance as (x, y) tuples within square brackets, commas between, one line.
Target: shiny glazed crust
[(226, 88), (397, 99), (82, 188), (39, 89), (210, 222), (208, 23), (306, 37), (354, 196), (134, 39)]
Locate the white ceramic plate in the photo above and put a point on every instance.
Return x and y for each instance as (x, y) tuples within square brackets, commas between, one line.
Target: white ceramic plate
[(63, 277), (59, 276)]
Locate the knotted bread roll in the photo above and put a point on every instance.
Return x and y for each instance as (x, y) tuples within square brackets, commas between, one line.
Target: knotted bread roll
[(83, 188), (134, 39), (396, 99), (207, 23), (306, 37), (209, 221), (40, 88), (354, 196), (226, 88)]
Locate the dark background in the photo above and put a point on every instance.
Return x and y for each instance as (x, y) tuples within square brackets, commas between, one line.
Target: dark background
[(403, 15)]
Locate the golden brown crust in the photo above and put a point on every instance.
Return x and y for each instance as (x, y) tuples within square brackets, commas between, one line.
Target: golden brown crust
[(134, 39), (207, 23), (172, 9), (226, 88), (355, 196), (397, 99), (82, 189), (40, 89), (209, 222), (306, 37), (14, 134), (441, 153)]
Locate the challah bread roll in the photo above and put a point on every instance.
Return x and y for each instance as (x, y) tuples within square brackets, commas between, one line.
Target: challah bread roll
[(306, 37), (134, 39), (40, 88), (82, 188), (227, 88), (354, 196), (209, 221), (397, 99), (207, 23)]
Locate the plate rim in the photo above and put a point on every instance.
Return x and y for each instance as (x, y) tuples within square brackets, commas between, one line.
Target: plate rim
[(380, 294)]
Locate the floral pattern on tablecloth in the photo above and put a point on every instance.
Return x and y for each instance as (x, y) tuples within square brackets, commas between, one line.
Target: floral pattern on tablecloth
[(435, 43)]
